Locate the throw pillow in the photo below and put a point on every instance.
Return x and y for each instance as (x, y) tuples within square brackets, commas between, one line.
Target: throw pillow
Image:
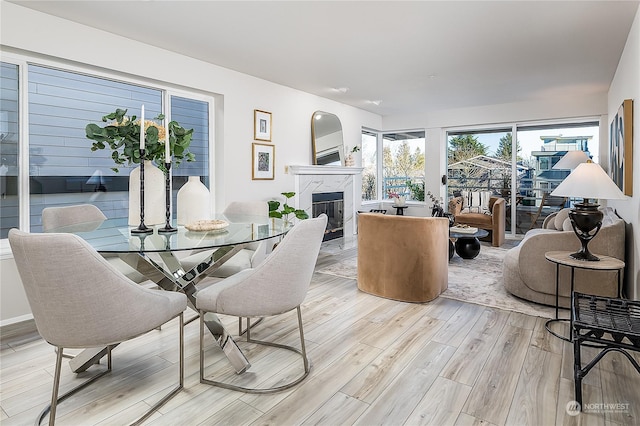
[(477, 201), (566, 225), (561, 216)]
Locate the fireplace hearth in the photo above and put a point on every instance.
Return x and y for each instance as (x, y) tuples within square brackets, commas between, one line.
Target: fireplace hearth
[(331, 204)]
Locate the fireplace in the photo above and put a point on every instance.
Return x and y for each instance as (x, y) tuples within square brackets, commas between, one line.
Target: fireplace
[(311, 180), (331, 204)]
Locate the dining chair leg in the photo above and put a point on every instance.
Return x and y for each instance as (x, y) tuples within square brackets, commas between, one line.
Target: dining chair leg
[(56, 387), (302, 351), (55, 399)]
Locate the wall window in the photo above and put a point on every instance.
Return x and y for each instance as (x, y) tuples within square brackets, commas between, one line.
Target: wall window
[(370, 166), (396, 157), (9, 96), (62, 168)]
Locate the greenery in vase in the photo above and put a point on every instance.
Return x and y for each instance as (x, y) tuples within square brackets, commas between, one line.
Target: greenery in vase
[(286, 208), (122, 136)]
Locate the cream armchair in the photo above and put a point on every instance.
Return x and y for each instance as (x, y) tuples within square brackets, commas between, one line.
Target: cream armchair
[(529, 275)]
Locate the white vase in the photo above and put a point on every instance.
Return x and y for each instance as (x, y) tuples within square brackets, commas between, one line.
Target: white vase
[(194, 201), (154, 196), (349, 161)]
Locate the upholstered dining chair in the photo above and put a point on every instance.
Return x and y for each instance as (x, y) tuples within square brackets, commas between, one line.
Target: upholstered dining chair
[(80, 300), (277, 285), (252, 255), (248, 257), (81, 218)]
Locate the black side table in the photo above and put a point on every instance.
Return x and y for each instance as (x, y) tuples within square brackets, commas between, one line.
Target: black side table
[(606, 263), (400, 209), (467, 244)]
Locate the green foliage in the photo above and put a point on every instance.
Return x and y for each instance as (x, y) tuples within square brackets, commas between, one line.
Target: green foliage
[(504, 149), (417, 190), (122, 137), (286, 208), (463, 147)]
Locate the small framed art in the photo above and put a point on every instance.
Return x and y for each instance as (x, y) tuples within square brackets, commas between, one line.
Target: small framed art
[(261, 125), (263, 161)]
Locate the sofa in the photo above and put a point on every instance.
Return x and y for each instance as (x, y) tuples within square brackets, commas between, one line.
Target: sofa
[(529, 275), (491, 218), (403, 258)]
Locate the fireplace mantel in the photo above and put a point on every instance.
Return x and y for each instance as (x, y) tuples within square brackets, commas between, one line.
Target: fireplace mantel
[(324, 170), (311, 180)]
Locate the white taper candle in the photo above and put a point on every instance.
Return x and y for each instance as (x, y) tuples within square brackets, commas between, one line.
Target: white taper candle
[(142, 128)]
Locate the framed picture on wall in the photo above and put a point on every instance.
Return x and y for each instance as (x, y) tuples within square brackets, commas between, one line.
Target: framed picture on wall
[(621, 148), (263, 161), (261, 125)]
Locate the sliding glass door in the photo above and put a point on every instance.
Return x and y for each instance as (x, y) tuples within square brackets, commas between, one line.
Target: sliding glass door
[(519, 169)]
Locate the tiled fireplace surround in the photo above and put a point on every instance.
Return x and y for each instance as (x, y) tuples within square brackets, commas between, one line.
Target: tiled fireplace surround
[(311, 180)]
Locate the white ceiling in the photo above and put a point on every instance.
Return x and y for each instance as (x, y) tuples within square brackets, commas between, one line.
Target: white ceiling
[(413, 57)]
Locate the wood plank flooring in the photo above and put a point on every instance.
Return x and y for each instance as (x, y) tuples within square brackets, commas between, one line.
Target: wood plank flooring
[(374, 362)]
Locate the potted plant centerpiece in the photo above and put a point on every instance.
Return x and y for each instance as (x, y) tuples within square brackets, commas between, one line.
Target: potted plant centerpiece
[(121, 135)]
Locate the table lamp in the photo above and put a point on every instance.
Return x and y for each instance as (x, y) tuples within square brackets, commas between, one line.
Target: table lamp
[(571, 160), (587, 181)]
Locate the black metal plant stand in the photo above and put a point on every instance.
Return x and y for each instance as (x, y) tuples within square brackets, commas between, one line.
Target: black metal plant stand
[(142, 228), (168, 229)]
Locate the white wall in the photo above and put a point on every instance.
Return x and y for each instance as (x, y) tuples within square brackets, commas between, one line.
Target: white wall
[(237, 95), (626, 85)]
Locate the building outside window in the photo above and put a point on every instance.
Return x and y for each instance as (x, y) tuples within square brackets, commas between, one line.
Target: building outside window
[(62, 169)]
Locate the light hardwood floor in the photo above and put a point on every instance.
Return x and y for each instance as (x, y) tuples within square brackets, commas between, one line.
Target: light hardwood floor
[(374, 361)]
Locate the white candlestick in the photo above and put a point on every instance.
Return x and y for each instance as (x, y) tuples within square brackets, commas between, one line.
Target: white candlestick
[(167, 144), (142, 128)]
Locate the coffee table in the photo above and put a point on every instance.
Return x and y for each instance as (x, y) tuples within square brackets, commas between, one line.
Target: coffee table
[(467, 245)]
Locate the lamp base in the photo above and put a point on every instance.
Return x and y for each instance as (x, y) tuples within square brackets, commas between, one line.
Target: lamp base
[(586, 256), (586, 221)]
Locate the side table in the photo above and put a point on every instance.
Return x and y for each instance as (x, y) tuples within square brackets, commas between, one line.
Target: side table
[(467, 244), (606, 263), (399, 209)]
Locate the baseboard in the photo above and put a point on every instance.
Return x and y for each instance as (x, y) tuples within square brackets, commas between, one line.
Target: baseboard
[(15, 330)]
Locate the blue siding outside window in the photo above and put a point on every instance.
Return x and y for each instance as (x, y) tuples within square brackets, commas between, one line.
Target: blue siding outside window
[(61, 163), (8, 148)]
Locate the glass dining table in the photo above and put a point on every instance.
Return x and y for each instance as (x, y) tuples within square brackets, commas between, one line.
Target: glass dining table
[(177, 261)]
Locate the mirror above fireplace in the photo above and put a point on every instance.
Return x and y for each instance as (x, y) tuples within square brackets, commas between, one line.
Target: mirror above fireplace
[(326, 139)]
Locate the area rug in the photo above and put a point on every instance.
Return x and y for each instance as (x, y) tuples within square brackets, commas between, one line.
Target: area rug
[(476, 281)]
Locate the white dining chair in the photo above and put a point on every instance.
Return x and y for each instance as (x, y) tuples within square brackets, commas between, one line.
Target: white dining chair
[(277, 285), (79, 300), (84, 218)]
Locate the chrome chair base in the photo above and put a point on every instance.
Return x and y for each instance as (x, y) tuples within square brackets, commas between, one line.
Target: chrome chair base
[(55, 399), (247, 331)]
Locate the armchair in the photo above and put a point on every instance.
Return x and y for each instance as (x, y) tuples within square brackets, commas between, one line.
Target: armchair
[(493, 221), (403, 258)]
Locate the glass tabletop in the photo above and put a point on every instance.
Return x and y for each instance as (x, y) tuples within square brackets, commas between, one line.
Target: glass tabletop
[(114, 235)]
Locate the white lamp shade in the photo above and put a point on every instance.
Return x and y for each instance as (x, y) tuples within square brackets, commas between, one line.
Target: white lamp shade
[(589, 180), (571, 160)]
